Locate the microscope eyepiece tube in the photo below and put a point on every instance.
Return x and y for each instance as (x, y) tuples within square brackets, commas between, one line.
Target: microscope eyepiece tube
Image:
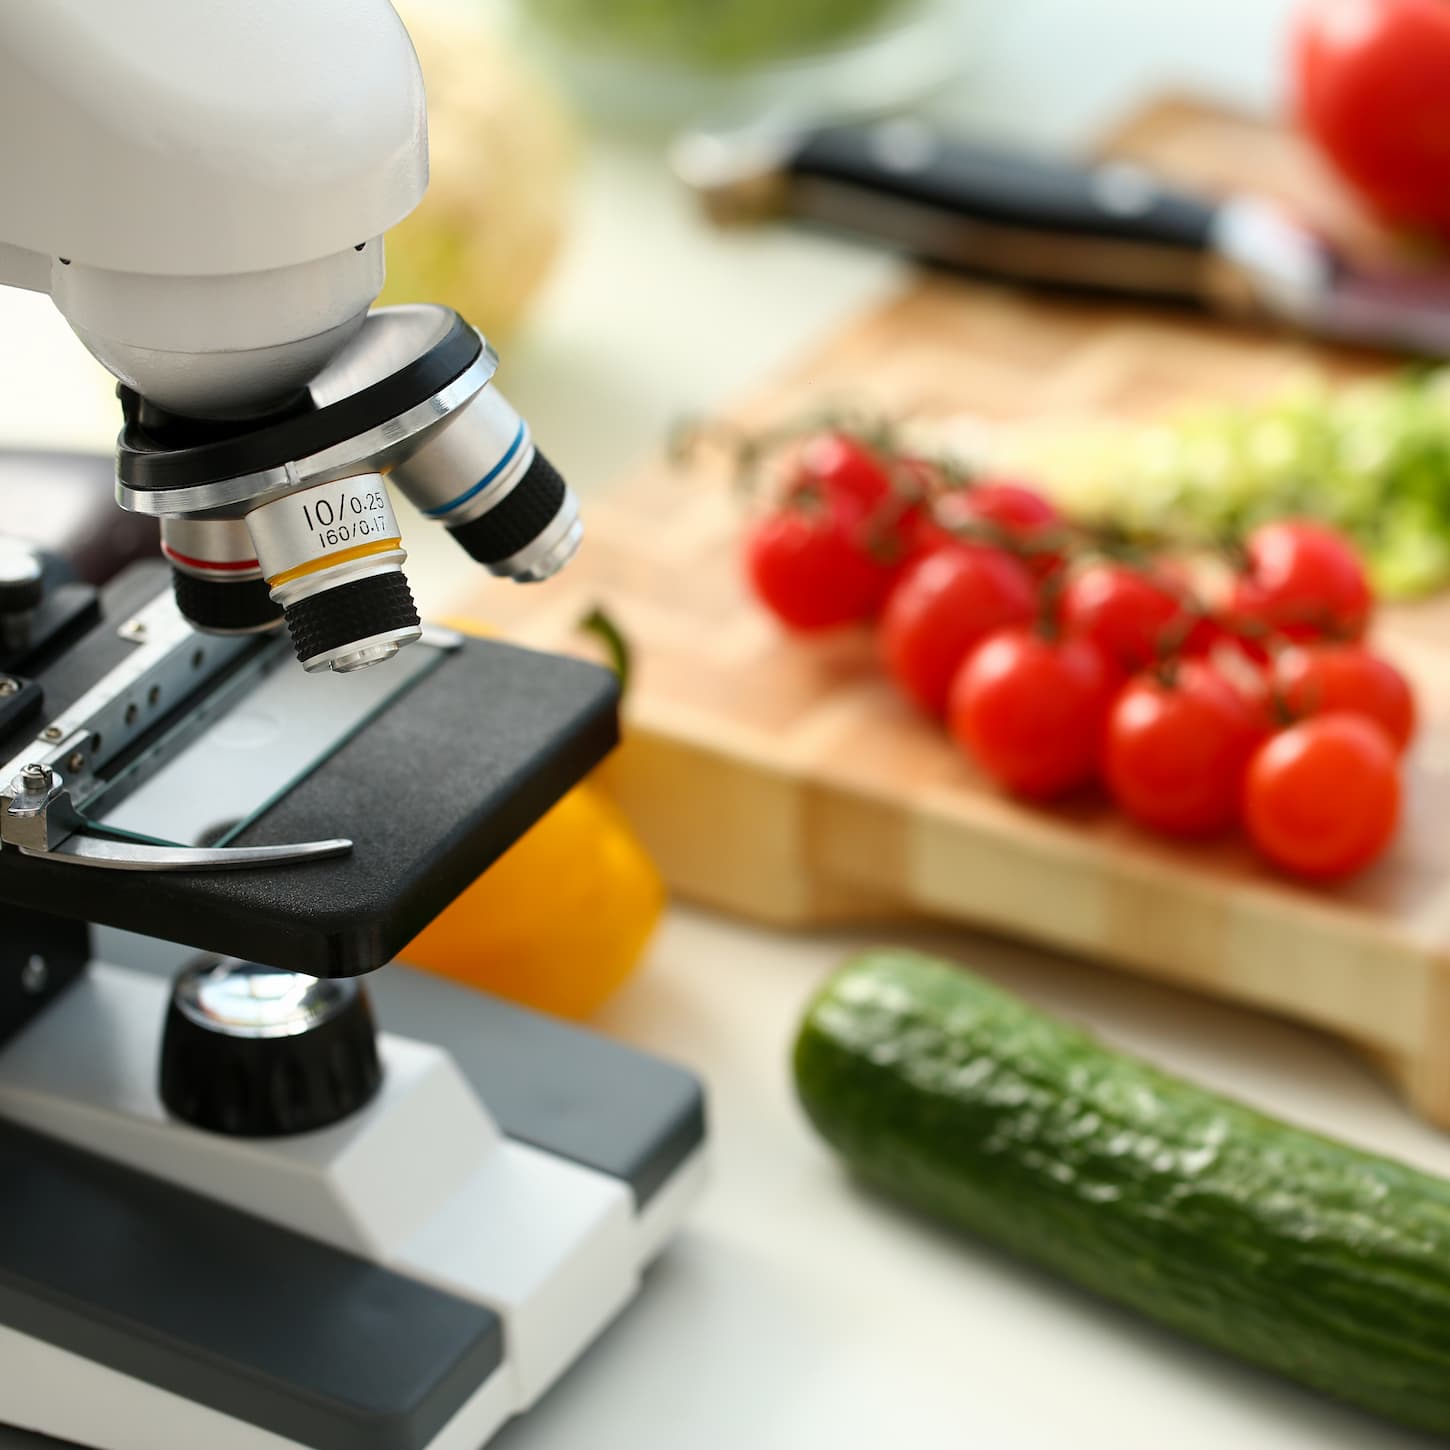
[(332, 557), (217, 577), (481, 476)]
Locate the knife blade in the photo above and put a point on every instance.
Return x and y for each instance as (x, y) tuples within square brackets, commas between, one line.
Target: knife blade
[(1112, 229)]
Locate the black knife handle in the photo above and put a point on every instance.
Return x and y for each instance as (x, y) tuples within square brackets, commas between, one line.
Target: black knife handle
[(1109, 228)]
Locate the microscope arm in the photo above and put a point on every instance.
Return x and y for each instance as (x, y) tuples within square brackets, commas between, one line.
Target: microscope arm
[(201, 186)]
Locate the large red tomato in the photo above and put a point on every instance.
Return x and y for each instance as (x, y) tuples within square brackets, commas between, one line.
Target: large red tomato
[(1373, 81)]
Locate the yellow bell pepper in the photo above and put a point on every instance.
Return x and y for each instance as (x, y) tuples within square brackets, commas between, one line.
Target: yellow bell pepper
[(561, 919)]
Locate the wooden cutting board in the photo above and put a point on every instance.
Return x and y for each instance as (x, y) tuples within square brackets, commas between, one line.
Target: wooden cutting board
[(788, 783)]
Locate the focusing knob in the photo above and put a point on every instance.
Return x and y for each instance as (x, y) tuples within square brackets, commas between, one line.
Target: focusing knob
[(22, 578), (255, 1052)]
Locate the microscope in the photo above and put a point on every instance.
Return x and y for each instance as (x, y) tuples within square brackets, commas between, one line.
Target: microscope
[(237, 777)]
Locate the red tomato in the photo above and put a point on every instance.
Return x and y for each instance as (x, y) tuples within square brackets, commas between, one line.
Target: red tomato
[(1318, 678), (1303, 580), (809, 569), (1011, 505), (1212, 637), (1127, 613), (840, 472), (1322, 798), (1022, 517), (1177, 751), (944, 606), (845, 470), (1373, 92), (1031, 710)]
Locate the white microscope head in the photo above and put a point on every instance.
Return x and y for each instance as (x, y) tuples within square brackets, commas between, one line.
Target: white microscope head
[(202, 185)]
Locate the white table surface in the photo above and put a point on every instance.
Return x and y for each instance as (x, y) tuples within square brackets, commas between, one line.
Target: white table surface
[(795, 1312)]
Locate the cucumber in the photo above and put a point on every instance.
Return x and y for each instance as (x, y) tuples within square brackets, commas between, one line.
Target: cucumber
[(1303, 1255)]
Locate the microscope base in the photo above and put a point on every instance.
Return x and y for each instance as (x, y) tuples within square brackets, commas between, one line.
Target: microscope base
[(409, 1279)]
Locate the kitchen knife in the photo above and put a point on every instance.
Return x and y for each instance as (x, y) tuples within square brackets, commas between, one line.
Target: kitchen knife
[(1112, 229)]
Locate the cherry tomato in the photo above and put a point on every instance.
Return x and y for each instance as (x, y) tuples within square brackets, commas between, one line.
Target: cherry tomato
[(844, 469), (1211, 637), (808, 567), (839, 471), (1022, 517), (1322, 798), (1130, 615), (1031, 710), (1011, 505), (1372, 92), (1303, 580), (1315, 679), (1177, 750), (944, 606)]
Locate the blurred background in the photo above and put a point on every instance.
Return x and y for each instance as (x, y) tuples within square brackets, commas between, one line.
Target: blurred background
[(553, 218)]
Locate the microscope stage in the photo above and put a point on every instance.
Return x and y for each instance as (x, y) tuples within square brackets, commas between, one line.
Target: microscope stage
[(431, 790)]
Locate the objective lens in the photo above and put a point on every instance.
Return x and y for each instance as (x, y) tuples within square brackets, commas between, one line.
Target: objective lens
[(332, 556), (481, 476), (216, 576)]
